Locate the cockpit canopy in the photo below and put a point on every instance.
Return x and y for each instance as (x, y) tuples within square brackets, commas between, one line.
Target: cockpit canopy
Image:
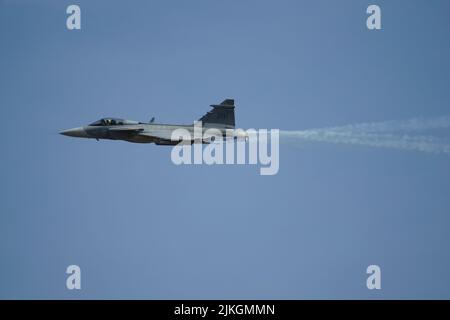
[(112, 122)]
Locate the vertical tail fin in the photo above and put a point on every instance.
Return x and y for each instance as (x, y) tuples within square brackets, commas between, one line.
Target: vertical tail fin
[(221, 115)]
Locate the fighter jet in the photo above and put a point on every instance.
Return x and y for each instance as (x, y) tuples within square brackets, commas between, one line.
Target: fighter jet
[(221, 117)]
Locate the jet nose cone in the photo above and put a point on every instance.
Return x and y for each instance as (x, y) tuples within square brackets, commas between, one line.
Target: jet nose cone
[(75, 132)]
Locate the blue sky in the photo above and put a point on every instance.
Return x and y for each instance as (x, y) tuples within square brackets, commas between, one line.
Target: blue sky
[(141, 227)]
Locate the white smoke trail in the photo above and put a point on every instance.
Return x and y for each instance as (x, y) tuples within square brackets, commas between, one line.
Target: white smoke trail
[(388, 134), (414, 124)]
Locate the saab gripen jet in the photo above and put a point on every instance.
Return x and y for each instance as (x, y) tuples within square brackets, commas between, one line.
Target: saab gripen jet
[(221, 117)]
